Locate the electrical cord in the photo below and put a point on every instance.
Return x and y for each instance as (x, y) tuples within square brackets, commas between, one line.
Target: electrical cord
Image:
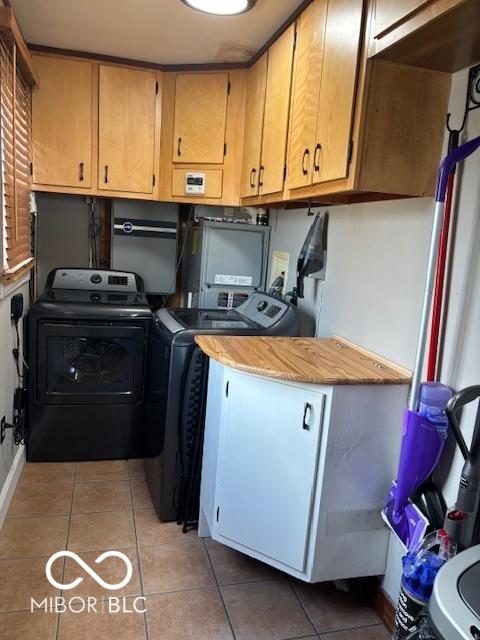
[(93, 229), (16, 355), (180, 257)]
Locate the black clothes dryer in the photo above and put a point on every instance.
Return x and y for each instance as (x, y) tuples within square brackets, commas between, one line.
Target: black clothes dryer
[(86, 342)]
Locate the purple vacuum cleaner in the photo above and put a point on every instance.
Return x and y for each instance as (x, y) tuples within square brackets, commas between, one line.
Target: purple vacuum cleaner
[(422, 441)]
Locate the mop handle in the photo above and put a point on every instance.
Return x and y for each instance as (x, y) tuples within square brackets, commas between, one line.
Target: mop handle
[(450, 160)]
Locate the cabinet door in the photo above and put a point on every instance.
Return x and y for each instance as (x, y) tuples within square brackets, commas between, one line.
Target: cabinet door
[(267, 471), (200, 117), (307, 75), (337, 91), (126, 136), (62, 123), (389, 12), (277, 107), (256, 83)]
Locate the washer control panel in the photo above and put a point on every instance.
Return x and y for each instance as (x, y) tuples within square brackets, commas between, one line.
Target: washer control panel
[(264, 309), (93, 280)]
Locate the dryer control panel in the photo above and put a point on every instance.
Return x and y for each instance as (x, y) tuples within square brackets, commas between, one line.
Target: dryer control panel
[(94, 280)]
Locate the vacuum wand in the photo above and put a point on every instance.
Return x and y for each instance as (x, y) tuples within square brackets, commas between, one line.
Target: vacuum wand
[(462, 522)]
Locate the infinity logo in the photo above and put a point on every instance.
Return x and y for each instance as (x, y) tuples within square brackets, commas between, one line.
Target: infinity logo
[(89, 570)]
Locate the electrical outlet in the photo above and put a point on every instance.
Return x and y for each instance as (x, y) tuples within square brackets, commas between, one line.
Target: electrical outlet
[(4, 425)]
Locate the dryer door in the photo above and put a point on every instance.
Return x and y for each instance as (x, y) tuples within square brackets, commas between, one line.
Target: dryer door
[(86, 363)]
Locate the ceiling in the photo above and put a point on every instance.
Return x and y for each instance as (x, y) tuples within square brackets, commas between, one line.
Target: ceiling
[(159, 31)]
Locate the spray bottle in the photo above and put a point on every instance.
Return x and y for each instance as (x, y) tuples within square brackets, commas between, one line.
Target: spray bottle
[(420, 567)]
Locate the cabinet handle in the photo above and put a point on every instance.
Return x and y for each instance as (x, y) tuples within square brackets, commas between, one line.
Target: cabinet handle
[(306, 154), (179, 148), (260, 175), (307, 410), (316, 163), (252, 178), (80, 171), (105, 177)]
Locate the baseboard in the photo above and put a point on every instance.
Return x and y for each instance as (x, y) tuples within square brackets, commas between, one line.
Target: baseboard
[(384, 607), (11, 480)]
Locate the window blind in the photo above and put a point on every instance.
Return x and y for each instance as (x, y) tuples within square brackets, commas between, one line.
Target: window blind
[(15, 125)]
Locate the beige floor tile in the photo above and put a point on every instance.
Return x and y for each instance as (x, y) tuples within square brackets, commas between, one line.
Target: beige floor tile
[(103, 625), (173, 567), (102, 471), (108, 530), (24, 625), (232, 566), (135, 468), (190, 615), (112, 570), (334, 610), (89, 497), (141, 495), (33, 537), (150, 530), (47, 473), (23, 579), (41, 500), (366, 633), (266, 610)]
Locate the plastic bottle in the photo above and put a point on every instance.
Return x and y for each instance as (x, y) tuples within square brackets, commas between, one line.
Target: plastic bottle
[(434, 398), (420, 568)]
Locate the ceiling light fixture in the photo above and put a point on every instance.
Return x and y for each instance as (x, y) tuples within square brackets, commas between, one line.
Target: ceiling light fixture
[(221, 7)]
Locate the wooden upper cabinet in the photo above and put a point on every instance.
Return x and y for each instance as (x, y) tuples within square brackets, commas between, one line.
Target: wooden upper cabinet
[(126, 143), (307, 75), (255, 107), (277, 108), (388, 13), (62, 123), (337, 90), (200, 118)]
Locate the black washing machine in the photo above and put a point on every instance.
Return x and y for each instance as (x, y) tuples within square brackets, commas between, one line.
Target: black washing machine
[(177, 389), (86, 340)]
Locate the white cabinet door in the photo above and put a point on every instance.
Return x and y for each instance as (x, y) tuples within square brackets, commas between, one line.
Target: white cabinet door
[(267, 467)]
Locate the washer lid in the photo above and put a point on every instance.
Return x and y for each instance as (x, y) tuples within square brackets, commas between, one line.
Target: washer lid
[(212, 319)]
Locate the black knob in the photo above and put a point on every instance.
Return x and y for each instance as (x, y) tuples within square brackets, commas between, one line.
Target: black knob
[(95, 297), (262, 305), (96, 278)]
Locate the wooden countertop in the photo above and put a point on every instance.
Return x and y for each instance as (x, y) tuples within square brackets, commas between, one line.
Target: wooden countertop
[(313, 360)]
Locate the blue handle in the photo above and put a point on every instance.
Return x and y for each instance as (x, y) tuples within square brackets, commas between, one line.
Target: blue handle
[(453, 158)]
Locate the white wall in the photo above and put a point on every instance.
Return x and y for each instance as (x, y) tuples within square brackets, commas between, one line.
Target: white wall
[(375, 278), (8, 378)]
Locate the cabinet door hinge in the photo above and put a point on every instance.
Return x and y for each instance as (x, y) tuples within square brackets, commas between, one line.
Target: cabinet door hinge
[(350, 152), (218, 513), (31, 168), (227, 388), (229, 87), (156, 87), (153, 180), (225, 149)]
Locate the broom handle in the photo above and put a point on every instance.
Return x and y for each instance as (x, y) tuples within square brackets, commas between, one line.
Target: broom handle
[(450, 160), (427, 303)]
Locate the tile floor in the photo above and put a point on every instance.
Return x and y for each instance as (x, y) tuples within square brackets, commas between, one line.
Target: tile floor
[(194, 589)]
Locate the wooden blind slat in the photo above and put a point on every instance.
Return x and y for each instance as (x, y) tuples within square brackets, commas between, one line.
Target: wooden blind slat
[(16, 145)]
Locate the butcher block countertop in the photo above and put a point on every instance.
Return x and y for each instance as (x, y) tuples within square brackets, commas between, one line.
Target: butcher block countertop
[(314, 360)]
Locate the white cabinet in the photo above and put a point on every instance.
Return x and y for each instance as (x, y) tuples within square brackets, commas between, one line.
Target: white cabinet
[(296, 474), (276, 475)]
